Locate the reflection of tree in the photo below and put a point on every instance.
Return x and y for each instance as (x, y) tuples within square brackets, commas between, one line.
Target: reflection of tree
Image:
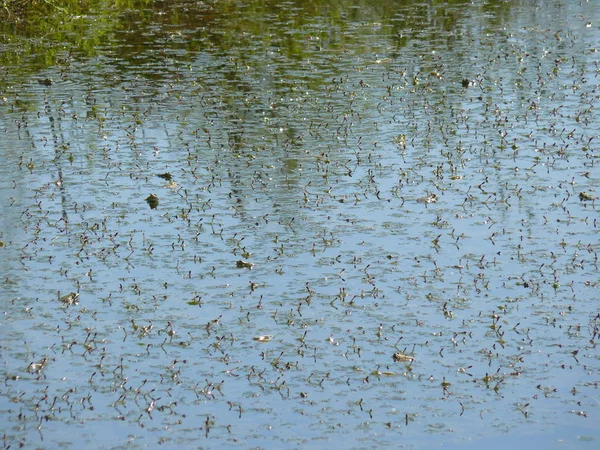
[(143, 31), (59, 148), (257, 68)]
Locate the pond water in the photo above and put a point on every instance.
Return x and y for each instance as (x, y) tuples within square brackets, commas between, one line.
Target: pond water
[(301, 224)]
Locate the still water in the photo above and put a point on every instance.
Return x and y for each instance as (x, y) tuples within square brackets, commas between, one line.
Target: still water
[(300, 224)]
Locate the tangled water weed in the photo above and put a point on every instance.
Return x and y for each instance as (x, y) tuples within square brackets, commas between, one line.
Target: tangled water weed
[(289, 225)]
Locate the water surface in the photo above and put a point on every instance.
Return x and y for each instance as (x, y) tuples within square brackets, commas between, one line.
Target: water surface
[(379, 227)]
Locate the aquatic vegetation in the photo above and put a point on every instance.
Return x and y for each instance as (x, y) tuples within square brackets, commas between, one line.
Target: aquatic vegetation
[(367, 225)]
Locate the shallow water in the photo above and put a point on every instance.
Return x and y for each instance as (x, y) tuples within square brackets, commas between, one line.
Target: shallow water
[(349, 182)]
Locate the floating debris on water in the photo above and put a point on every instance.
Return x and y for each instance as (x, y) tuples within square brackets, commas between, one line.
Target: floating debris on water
[(585, 197), (70, 299), (360, 208), (240, 264), (398, 357), (431, 198), (152, 200), (37, 367), (165, 176)]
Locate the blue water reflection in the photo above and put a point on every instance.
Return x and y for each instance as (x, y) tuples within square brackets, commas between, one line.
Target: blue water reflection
[(401, 178)]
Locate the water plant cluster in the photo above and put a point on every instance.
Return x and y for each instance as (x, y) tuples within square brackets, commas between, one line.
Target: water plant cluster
[(280, 225)]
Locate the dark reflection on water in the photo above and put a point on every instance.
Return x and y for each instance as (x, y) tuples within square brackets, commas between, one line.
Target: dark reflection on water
[(349, 182)]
